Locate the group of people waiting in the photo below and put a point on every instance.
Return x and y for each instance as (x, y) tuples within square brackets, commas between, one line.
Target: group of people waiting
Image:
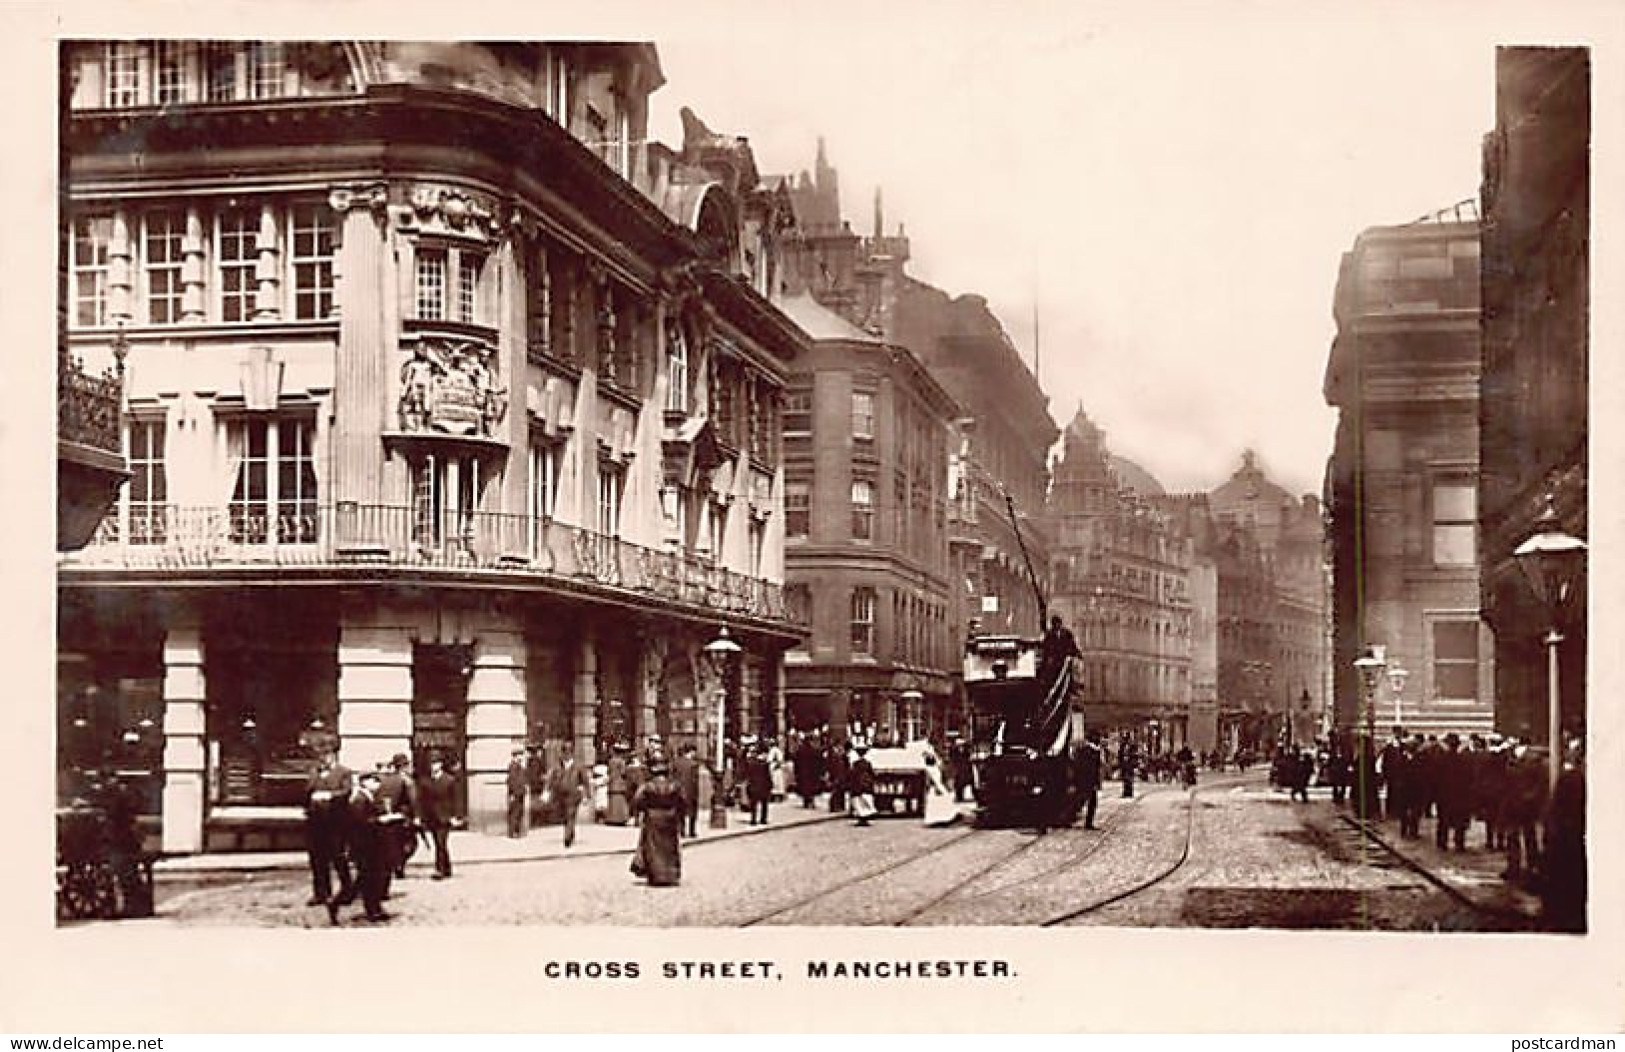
[(1502, 783)]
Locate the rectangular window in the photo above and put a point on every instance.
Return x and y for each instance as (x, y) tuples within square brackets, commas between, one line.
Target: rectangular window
[(123, 82), (539, 303), (1455, 523), (798, 602), (236, 252), (544, 479), (468, 285), (676, 368), (797, 509), (91, 235), (610, 480), (220, 70), (171, 73), (758, 544), (863, 509), (558, 88), (274, 490), (149, 484), (1455, 660), (164, 234), (798, 411), (863, 414), (444, 496), (311, 230), (431, 284), (267, 65), (863, 621)]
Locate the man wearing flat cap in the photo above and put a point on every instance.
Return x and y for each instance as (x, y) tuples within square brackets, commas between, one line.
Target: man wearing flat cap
[(518, 788)]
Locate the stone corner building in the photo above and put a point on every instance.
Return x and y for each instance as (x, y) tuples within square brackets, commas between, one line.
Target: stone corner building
[(1402, 481), (452, 416)]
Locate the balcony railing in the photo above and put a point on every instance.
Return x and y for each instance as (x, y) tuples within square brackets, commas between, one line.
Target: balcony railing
[(352, 535), (87, 407)]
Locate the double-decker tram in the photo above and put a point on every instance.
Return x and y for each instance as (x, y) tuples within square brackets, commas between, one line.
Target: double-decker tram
[(1028, 727)]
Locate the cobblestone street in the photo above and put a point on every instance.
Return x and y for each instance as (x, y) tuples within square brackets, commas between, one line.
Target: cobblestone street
[(1254, 859)]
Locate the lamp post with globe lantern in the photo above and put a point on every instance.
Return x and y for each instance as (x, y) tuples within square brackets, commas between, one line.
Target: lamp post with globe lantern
[(1551, 560), (1396, 679), (720, 652)]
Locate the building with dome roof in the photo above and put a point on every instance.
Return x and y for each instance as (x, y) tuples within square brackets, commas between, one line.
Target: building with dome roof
[(433, 447), (1121, 569)]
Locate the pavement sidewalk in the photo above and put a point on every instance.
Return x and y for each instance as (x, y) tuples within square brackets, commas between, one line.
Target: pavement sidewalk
[(545, 842), (1474, 874)]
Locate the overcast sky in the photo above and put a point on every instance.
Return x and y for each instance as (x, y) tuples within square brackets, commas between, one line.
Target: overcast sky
[(1171, 188)]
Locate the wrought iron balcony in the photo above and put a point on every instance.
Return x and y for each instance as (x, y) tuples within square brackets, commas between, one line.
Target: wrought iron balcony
[(90, 459), (88, 407), (188, 539)]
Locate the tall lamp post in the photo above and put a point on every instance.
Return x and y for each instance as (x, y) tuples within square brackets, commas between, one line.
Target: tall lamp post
[(1396, 679), (1551, 559), (720, 652), (1370, 665)]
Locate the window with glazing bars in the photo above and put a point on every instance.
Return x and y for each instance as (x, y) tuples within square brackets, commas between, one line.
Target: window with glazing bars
[(236, 252), (311, 226), (123, 81), (267, 65), (863, 620), (91, 235), (149, 485), (431, 284), (165, 232)]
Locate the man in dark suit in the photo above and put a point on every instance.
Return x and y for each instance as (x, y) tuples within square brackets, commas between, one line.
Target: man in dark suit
[(518, 787), (1454, 795), (437, 802), (327, 795), (838, 770), (1089, 764), (686, 772), (369, 831), (568, 784), (758, 784), (399, 796)]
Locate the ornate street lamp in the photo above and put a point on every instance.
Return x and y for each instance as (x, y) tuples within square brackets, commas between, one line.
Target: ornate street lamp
[(1551, 560), (720, 652), (1396, 679), (1370, 666)]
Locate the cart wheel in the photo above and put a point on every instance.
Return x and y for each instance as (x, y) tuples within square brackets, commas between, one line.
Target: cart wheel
[(89, 890)]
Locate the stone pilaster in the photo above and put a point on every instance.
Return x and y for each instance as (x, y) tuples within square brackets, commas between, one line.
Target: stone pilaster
[(184, 754), (651, 666), (268, 269), (496, 723), (584, 704), (375, 690), (120, 270), (194, 306)]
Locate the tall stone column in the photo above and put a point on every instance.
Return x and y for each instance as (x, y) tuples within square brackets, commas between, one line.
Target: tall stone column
[(184, 699), (584, 704), (362, 380), (375, 688), (120, 270), (496, 721)]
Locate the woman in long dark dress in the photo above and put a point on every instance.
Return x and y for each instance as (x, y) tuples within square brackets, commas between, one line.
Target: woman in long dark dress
[(660, 804)]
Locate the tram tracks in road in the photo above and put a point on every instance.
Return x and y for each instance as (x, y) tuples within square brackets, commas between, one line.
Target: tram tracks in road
[(1144, 885), (850, 882)]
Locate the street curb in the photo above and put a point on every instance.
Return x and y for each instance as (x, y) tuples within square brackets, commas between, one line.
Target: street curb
[(1465, 897), (182, 869)]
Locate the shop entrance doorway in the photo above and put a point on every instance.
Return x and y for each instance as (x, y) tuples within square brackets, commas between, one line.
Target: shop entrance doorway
[(440, 711)]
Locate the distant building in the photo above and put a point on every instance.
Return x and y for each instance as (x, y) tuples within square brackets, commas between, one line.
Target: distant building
[(866, 435), (1402, 481), (1290, 537), (1122, 573), (998, 566), (1532, 409)]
